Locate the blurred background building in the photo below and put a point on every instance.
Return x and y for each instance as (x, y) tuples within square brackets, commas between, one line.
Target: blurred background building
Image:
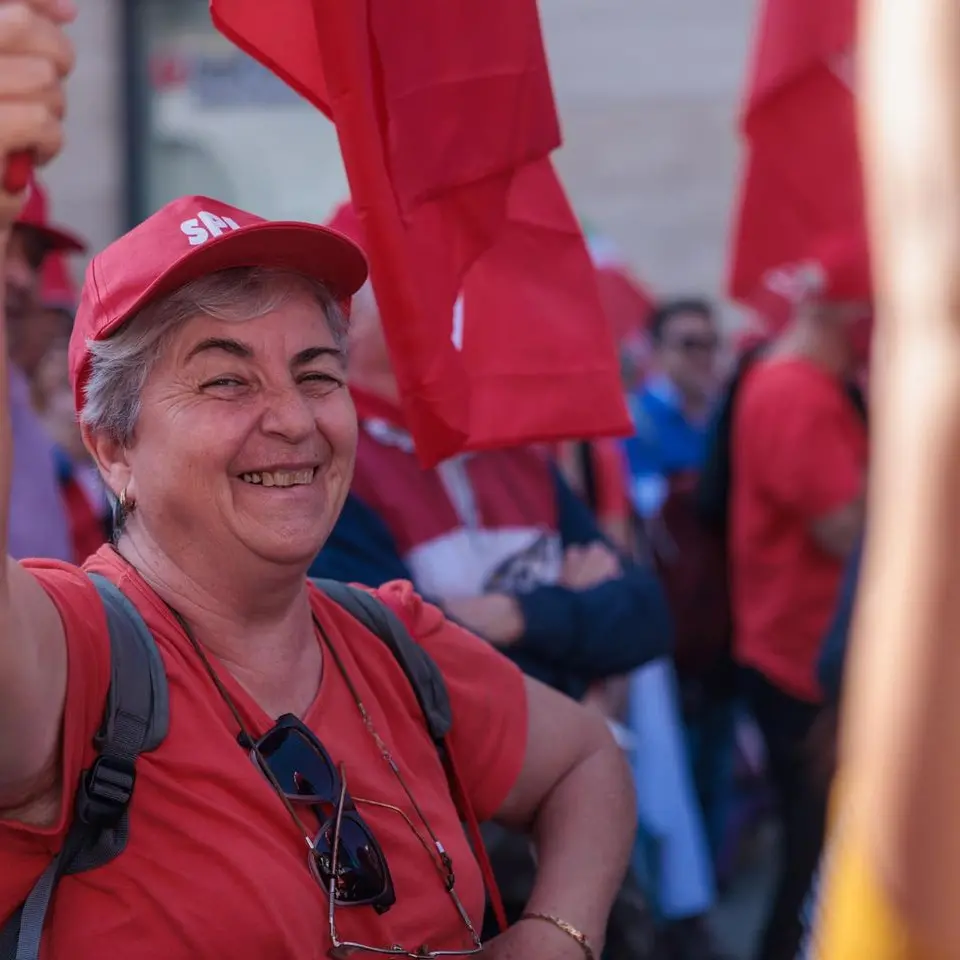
[(162, 105)]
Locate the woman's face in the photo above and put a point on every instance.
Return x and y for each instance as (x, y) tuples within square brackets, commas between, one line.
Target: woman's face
[(246, 437)]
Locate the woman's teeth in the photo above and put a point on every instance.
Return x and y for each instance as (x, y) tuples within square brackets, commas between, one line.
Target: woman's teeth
[(280, 478)]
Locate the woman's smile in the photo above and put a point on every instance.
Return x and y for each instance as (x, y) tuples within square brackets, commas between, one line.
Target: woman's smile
[(296, 477)]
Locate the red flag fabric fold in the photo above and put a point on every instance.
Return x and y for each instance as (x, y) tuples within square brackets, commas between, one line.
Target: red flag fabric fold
[(519, 324), (801, 202), (446, 120)]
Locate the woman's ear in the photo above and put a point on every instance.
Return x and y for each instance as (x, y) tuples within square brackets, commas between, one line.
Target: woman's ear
[(110, 457)]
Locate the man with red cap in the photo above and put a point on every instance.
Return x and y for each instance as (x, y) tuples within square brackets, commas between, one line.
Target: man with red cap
[(38, 519), (798, 460), (37, 278)]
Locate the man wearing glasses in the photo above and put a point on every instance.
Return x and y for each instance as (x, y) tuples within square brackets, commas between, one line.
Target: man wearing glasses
[(671, 411)]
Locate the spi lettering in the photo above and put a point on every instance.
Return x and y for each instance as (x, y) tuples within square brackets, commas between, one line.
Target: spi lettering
[(205, 225)]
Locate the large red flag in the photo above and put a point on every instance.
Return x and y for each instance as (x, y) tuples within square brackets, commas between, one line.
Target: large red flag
[(446, 119), (529, 312), (800, 226)]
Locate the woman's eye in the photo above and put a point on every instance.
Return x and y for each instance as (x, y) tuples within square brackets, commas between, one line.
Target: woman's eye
[(321, 378), (223, 382)]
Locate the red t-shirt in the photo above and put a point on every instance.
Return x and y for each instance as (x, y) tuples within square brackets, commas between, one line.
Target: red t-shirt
[(215, 866), (799, 452)]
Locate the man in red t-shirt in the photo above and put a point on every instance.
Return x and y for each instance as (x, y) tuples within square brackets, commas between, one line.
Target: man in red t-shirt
[(799, 456)]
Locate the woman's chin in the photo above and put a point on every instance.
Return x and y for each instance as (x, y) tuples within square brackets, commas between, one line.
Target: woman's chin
[(296, 548)]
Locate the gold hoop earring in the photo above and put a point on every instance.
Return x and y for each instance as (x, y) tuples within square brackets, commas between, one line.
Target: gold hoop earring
[(124, 502)]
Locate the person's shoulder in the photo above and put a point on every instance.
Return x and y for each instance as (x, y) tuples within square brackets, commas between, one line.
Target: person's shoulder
[(77, 597), (422, 619), (458, 652), (419, 617), (788, 385), (783, 375), (71, 590), (78, 602)]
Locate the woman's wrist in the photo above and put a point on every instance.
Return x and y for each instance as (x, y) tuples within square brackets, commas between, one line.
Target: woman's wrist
[(588, 949)]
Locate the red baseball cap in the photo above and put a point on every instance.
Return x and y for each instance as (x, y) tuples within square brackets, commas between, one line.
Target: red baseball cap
[(35, 214), (190, 238), (837, 270)]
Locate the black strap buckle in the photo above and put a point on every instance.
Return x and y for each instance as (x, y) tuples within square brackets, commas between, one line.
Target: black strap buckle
[(105, 791)]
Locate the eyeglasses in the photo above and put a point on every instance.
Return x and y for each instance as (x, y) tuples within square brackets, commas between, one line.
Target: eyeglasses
[(694, 344), (296, 763), (344, 856)]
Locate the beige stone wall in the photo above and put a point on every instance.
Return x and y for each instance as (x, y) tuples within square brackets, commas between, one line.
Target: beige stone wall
[(647, 91)]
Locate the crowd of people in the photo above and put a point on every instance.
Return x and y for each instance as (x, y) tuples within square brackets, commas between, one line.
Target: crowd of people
[(196, 431), (680, 582)]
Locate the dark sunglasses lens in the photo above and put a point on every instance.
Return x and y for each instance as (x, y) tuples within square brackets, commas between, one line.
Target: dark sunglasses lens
[(699, 344), (300, 769), (361, 871)]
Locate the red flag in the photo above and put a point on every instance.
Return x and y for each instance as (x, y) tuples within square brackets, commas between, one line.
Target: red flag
[(800, 227), (445, 117), (536, 338), (530, 311)]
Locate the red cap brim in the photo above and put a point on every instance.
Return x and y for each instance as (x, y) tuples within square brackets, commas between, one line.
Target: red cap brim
[(57, 239), (313, 251)]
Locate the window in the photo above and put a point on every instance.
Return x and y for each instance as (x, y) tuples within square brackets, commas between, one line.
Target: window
[(206, 119)]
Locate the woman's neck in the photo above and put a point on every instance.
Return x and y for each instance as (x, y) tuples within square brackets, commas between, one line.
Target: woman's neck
[(255, 618)]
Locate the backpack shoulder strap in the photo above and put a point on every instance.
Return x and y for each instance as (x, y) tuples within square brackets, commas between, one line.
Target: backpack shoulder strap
[(421, 670), (431, 690), (135, 721), (137, 716)]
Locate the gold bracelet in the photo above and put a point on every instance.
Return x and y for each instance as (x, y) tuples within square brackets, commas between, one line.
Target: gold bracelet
[(568, 928)]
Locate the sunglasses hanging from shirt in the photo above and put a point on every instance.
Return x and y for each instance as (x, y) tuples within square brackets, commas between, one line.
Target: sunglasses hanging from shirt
[(344, 857)]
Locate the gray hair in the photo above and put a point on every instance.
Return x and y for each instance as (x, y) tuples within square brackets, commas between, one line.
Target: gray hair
[(121, 364)]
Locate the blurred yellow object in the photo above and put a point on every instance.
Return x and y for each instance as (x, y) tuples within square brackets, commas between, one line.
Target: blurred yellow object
[(857, 921)]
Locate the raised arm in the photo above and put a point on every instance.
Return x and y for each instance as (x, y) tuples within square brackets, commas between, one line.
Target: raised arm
[(35, 56), (899, 769)]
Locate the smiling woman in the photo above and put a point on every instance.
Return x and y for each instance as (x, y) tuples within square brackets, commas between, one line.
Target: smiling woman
[(121, 365), (207, 365)]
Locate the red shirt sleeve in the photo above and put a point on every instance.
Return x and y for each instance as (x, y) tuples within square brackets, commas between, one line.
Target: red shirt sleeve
[(88, 679), (487, 696), (811, 454)]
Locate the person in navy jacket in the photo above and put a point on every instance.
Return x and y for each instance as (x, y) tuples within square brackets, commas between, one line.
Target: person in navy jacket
[(567, 636)]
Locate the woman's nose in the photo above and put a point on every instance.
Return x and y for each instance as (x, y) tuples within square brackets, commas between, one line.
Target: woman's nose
[(288, 414)]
